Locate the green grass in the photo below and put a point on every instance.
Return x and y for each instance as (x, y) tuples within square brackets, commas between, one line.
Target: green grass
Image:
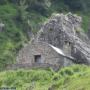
[(75, 77)]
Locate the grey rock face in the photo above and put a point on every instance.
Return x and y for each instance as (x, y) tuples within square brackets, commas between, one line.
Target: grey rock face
[(65, 32)]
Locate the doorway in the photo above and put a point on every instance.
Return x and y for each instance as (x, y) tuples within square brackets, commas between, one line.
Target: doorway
[(37, 58)]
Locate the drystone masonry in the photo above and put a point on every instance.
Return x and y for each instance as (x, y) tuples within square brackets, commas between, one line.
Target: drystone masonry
[(41, 53)]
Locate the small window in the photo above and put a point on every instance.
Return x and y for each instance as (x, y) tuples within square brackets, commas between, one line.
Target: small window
[(67, 43), (37, 58)]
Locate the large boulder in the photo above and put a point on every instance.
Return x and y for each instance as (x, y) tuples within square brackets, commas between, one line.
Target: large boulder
[(65, 32)]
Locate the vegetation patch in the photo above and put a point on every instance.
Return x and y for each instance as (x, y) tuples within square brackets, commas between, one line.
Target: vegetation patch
[(75, 77)]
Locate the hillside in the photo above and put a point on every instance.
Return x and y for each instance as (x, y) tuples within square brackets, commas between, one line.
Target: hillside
[(75, 77), (23, 18)]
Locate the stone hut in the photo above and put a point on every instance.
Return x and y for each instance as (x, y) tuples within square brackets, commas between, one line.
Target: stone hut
[(41, 53)]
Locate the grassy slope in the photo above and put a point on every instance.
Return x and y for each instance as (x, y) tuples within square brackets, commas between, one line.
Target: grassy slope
[(76, 77)]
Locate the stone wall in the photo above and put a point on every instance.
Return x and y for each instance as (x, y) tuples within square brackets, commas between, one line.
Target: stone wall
[(33, 66), (48, 55)]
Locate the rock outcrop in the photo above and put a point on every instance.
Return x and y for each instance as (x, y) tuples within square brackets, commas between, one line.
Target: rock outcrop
[(65, 32)]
